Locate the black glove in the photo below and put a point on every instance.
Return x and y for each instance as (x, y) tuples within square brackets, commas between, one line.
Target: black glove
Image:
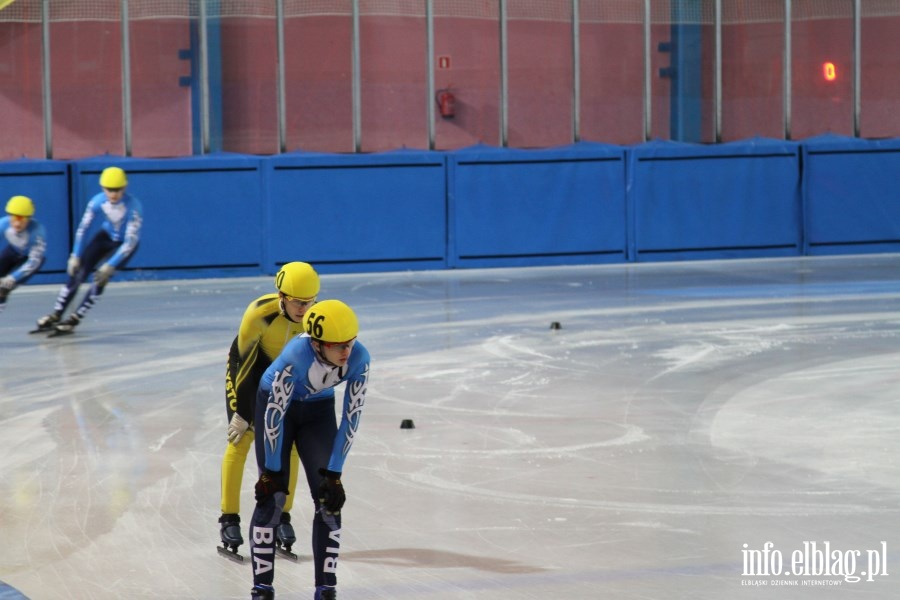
[(269, 483), (331, 491)]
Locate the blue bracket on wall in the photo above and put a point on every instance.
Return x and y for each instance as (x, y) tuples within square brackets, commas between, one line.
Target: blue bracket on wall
[(685, 71), (186, 80)]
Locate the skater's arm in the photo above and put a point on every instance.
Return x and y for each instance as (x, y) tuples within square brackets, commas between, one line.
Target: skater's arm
[(249, 362), (86, 219), (354, 399), (276, 406)]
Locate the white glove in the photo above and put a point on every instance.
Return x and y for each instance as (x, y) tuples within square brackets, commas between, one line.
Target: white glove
[(236, 428), (72, 267), (102, 275), (8, 283)]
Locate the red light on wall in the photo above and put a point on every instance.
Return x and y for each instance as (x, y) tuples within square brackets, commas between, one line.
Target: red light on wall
[(829, 71)]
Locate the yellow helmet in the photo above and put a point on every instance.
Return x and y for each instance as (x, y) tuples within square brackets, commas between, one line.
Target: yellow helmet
[(331, 321), (20, 206), (113, 178), (298, 279)]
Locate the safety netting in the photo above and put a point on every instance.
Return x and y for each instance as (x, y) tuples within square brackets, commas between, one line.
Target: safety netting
[(589, 11)]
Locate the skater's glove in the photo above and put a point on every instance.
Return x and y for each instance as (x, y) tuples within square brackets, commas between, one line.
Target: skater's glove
[(73, 265), (269, 483), (331, 491), (236, 428), (8, 283), (102, 275)]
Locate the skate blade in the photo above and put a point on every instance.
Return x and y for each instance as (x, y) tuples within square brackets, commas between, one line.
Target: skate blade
[(58, 333), (230, 554), (42, 330), (286, 554)]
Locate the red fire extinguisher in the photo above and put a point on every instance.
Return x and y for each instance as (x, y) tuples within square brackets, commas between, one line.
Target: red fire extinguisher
[(446, 102)]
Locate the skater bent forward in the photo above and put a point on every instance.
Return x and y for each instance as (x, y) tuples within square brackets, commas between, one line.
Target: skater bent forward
[(295, 407), (26, 244), (269, 322), (120, 216)]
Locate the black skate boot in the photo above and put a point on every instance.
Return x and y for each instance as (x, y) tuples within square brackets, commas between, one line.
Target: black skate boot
[(47, 322), (284, 537), (231, 536), (66, 327), (325, 593), (262, 592)]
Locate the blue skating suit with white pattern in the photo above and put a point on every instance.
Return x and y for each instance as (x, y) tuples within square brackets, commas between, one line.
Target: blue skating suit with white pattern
[(298, 376)]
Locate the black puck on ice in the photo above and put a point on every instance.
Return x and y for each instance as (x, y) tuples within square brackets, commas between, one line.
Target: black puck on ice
[(555, 325), (407, 424)]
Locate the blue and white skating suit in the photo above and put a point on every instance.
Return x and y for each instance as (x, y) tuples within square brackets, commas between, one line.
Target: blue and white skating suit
[(121, 221), (297, 375), (29, 244)]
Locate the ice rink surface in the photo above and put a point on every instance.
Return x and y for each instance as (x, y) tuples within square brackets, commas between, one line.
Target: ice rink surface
[(681, 417)]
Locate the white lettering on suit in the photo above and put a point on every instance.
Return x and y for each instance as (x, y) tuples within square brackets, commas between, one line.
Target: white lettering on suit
[(262, 535), (331, 561)]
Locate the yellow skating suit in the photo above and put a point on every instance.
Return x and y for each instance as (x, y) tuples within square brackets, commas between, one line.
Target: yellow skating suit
[(263, 333)]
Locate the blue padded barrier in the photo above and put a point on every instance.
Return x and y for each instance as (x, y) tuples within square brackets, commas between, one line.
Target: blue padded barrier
[(690, 201), (852, 195), (357, 212), (226, 215), (202, 215), (536, 207), (46, 182)]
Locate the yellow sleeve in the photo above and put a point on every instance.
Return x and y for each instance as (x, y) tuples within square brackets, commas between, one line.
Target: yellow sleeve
[(251, 363)]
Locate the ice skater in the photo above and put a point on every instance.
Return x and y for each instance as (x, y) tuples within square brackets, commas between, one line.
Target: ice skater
[(26, 245), (295, 407), (120, 216), (269, 322)]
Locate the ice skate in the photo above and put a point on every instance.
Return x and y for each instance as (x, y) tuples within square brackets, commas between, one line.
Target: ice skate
[(66, 327), (285, 538), (262, 592), (325, 593), (231, 537), (46, 323)]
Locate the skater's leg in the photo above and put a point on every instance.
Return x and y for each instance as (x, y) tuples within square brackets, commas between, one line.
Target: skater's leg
[(267, 514), (233, 462), (9, 262), (292, 484), (285, 533), (314, 441), (66, 294), (100, 246), (326, 546), (97, 253)]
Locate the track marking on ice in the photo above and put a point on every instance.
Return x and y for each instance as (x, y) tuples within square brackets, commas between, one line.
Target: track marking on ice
[(632, 435), (430, 481), (159, 444)]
